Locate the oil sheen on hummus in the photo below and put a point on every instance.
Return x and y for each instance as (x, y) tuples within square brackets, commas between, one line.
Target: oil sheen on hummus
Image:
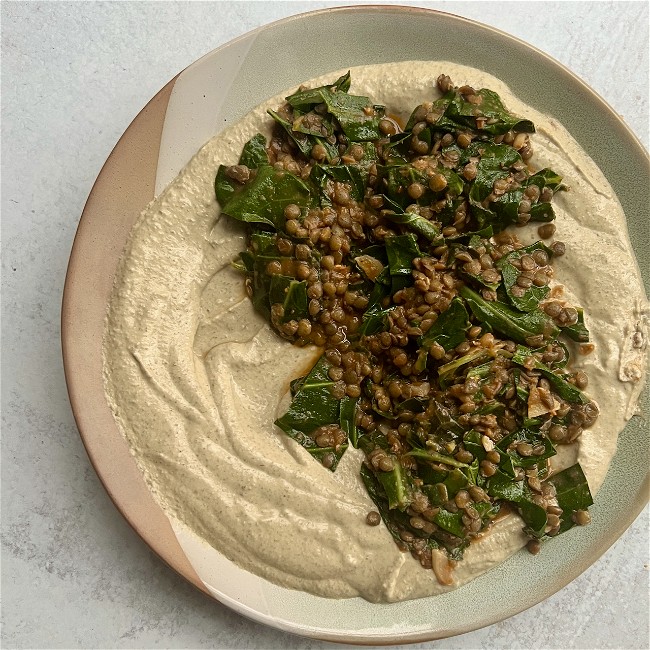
[(195, 377)]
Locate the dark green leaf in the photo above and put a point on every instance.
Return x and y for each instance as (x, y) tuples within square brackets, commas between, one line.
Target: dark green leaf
[(572, 493), (348, 419), (438, 108), (381, 290), (245, 262), (452, 522), (264, 244), (374, 320), (507, 466), (492, 107), (349, 111), (495, 162), (304, 99), (401, 251), (435, 458), (472, 442), (313, 406), (488, 511), (296, 385), (531, 437), (483, 234), (455, 184), (413, 221), (397, 179), (546, 178), (414, 404), (254, 153), (472, 472), (354, 176), (264, 199), (521, 386), (490, 407), (577, 332), (513, 324), (291, 294), (442, 421), (534, 517), (501, 486), (533, 295), (304, 142), (320, 452), (313, 124), (369, 153), (395, 520), (449, 370), (397, 485), (378, 496), (481, 372), (224, 187), (449, 329), (461, 115), (421, 362), (560, 386), (456, 480)]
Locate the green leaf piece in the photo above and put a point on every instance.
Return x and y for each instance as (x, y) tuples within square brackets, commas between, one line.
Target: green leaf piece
[(533, 295), (513, 324), (305, 99), (577, 332), (531, 437), (401, 251), (572, 493), (501, 486), (449, 330), (452, 522), (436, 458), (254, 153), (561, 386), (416, 223), (224, 187), (354, 176), (264, 199), (347, 419), (291, 294), (313, 406)]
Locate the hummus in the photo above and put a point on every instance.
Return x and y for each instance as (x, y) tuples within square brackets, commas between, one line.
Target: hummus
[(195, 377)]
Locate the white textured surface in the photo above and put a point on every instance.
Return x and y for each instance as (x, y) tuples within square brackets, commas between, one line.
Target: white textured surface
[(74, 575)]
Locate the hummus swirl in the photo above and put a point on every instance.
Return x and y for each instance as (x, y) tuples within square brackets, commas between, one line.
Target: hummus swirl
[(195, 377)]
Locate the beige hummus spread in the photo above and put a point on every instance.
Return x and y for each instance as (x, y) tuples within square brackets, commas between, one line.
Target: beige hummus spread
[(195, 377)]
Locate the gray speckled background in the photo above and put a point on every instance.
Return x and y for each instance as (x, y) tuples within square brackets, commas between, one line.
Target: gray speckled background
[(74, 75)]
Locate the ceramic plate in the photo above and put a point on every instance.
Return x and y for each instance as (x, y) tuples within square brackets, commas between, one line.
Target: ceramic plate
[(216, 91)]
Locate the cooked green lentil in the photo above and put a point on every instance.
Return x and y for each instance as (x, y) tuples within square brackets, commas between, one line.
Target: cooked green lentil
[(393, 249)]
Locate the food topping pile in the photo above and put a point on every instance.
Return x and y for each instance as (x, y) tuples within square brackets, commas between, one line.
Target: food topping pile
[(445, 351)]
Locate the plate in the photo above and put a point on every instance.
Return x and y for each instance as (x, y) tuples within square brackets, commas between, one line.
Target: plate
[(216, 91)]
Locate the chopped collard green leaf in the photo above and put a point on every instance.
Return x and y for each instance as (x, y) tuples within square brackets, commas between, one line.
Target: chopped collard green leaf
[(516, 325), (312, 412), (254, 153), (445, 356), (572, 494), (265, 197), (449, 330)]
